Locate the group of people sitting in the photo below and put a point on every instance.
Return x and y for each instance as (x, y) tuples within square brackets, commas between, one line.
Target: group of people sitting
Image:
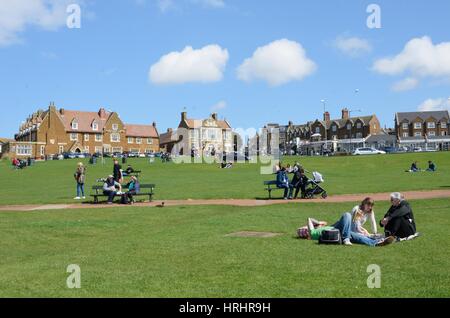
[(415, 168), (18, 164), (299, 180), (398, 223), (113, 188)]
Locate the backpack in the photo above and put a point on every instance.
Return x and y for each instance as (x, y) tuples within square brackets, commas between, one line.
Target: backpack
[(330, 237), (124, 199)]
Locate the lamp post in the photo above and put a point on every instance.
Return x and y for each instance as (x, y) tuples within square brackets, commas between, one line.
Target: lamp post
[(324, 103)]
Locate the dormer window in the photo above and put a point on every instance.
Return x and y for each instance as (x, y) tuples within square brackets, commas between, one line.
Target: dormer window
[(431, 124), (417, 125), (443, 124), (94, 126), (358, 125), (405, 126), (74, 124), (349, 126), (334, 128)]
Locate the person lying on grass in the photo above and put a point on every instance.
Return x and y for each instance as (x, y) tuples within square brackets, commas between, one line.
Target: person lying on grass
[(314, 229), (399, 219), (360, 214)]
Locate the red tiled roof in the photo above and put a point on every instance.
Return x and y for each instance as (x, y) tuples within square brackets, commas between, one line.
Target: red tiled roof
[(145, 131), (85, 120)]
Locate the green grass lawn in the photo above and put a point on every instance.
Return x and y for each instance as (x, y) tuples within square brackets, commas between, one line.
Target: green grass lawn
[(52, 182), (183, 252)]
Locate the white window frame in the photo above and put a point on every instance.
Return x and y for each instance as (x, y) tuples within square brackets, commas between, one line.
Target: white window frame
[(61, 149), (418, 134), (98, 149), (42, 150), (115, 127), (431, 133), (86, 149), (86, 137), (317, 130), (94, 126), (405, 126), (138, 140), (358, 125), (74, 124), (334, 128), (417, 125), (443, 125), (405, 134), (113, 139), (149, 141), (130, 140), (349, 126), (431, 125), (98, 137), (24, 150), (73, 137)]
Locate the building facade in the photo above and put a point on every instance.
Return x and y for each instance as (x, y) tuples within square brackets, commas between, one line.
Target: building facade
[(429, 129), (200, 136), (57, 131), (343, 134)]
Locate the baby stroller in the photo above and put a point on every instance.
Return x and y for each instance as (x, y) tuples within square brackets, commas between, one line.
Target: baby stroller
[(313, 187)]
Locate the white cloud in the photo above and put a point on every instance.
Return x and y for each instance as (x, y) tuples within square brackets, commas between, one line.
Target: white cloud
[(17, 15), (277, 63), (211, 3), (203, 65), (435, 104), (166, 5), (420, 57), (406, 84), (219, 106), (352, 46)]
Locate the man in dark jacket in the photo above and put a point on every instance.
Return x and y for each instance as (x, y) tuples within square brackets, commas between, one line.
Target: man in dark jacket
[(399, 219), (299, 181), (117, 171)]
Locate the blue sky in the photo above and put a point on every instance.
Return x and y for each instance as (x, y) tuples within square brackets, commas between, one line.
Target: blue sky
[(107, 61)]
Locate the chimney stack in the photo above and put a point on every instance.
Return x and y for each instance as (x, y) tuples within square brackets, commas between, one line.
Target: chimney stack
[(169, 130), (183, 116), (102, 113), (214, 116), (326, 116), (154, 124), (61, 111), (345, 114)]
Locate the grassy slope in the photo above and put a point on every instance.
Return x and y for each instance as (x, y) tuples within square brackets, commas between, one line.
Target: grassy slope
[(182, 252), (52, 182)]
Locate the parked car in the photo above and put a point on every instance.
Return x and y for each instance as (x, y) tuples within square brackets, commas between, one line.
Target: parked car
[(141, 155), (417, 149), (368, 151), (150, 155)]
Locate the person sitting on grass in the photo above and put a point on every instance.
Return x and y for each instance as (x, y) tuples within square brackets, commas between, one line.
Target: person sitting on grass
[(133, 188), (360, 214), (299, 182), (111, 188), (431, 166), (283, 183), (314, 229), (414, 167), (128, 171), (399, 219)]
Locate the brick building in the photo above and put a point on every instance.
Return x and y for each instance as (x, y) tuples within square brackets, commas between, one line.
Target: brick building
[(56, 131), (342, 134), (428, 129)]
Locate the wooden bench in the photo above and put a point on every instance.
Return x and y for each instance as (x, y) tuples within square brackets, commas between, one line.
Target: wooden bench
[(270, 186), (145, 190)]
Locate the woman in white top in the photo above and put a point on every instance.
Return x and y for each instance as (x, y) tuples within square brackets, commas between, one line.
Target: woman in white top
[(360, 214)]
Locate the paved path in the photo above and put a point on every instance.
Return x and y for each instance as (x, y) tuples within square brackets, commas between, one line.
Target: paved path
[(410, 195)]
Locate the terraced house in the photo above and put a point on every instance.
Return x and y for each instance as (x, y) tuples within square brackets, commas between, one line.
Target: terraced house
[(56, 131), (342, 134), (429, 129)]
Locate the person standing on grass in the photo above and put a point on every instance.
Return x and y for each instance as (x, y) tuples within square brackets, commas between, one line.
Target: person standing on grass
[(360, 214), (399, 219), (117, 171), (111, 188), (80, 178)]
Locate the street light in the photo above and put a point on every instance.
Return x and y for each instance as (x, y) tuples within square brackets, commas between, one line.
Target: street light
[(324, 102)]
